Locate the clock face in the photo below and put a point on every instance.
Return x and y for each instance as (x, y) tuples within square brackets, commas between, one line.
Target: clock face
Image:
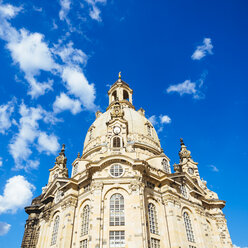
[(191, 171), (117, 130)]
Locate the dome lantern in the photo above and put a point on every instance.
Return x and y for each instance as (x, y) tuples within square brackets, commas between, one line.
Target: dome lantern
[(120, 91)]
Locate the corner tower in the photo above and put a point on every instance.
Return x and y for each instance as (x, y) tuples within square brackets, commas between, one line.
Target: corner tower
[(122, 192)]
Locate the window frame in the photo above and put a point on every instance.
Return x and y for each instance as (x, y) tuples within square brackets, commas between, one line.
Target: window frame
[(116, 141), (117, 210), (83, 243), (188, 227), (85, 220), (122, 239), (114, 170), (166, 166), (155, 243), (152, 218), (55, 230)]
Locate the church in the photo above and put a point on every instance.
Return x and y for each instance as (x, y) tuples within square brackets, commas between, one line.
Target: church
[(122, 192)]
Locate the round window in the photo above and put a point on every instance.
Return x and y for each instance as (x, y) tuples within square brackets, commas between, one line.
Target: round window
[(116, 170)]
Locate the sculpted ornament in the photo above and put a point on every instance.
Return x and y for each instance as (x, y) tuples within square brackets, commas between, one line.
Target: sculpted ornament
[(116, 111), (61, 159), (69, 202), (97, 185), (184, 153)]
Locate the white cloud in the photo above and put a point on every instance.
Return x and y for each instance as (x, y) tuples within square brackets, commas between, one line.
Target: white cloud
[(235, 246), (33, 55), (38, 9), (164, 119), (187, 87), (28, 132), (64, 102), (95, 11), (153, 120), (31, 52), (4, 228), (5, 114), (1, 162), (214, 168), (18, 192), (160, 121), (203, 50), (70, 55), (78, 85), (28, 50), (65, 8), (47, 143), (190, 88), (8, 11)]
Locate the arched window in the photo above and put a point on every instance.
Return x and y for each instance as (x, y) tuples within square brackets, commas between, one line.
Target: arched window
[(114, 96), (165, 165), (75, 169), (90, 134), (116, 142), (58, 196), (152, 218), (55, 231), (125, 95), (117, 215), (149, 130), (83, 243), (85, 220), (188, 227), (184, 191)]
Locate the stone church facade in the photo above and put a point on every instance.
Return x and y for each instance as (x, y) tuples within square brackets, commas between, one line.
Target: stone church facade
[(122, 192)]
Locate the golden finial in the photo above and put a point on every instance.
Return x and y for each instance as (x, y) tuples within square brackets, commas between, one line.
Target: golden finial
[(120, 75)]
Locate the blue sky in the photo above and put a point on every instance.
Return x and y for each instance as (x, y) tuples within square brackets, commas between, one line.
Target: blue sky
[(185, 60)]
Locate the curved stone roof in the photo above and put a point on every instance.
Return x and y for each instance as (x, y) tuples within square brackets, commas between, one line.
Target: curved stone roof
[(137, 129)]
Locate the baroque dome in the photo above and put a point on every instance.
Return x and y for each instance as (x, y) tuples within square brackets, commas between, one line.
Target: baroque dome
[(135, 130)]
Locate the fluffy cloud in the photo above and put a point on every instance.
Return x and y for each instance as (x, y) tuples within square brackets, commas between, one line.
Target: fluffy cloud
[(64, 102), (160, 121), (28, 50), (4, 228), (18, 192), (8, 11), (70, 55), (203, 50), (153, 120), (47, 143), (33, 55), (5, 114), (164, 119), (214, 168), (65, 8), (78, 85), (190, 88), (187, 87), (94, 10), (27, 134), (1, 162)]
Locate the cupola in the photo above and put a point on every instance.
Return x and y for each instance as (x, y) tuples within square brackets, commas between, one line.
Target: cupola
[(120, 91)]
